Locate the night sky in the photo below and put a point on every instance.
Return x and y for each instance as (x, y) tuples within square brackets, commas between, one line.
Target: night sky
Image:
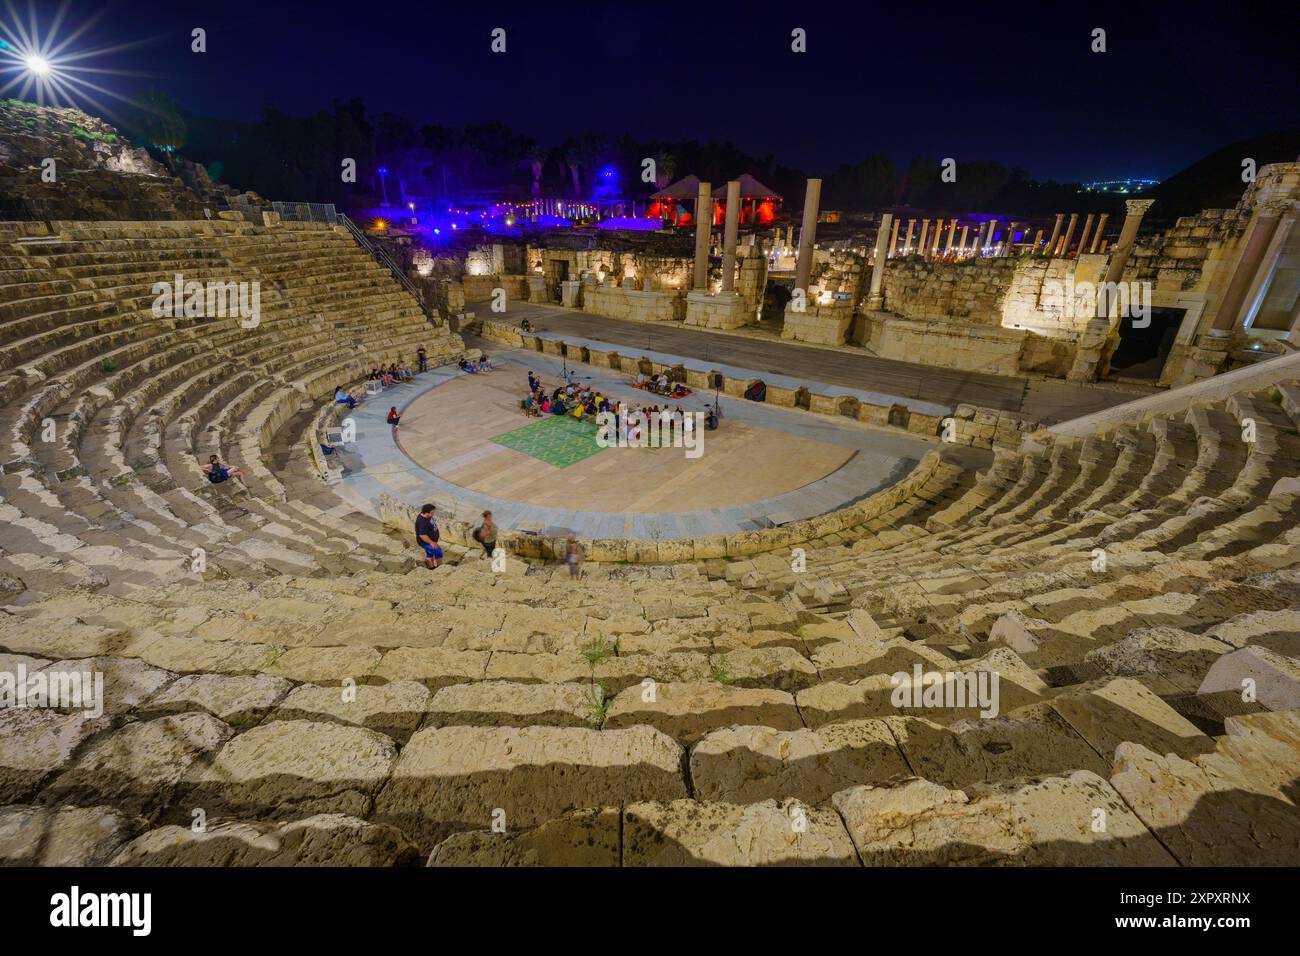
[(1011, 82)]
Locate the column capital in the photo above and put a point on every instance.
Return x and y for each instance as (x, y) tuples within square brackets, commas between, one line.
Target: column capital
[(1274, 208), (1138, 207)]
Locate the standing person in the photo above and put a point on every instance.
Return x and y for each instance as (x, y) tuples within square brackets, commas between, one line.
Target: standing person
[(422, 359), (426, 536), (573, 556), (486, 534)]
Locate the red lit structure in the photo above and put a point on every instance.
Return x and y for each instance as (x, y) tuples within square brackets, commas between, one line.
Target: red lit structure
[(675, 203)]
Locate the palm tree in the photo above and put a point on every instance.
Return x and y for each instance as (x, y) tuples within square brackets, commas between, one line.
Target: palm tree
[(575, 159), (665, 168), (535, 160)]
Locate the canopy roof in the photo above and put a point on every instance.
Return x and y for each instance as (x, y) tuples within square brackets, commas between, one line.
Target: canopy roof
[(687, 187), (751, 188)]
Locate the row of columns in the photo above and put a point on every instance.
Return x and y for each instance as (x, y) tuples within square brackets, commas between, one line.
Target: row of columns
[(934, 244)]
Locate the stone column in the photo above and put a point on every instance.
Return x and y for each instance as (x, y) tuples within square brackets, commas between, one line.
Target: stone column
[(981, 240), (925, 232), (808, 235), (1038, 238), (952, 230), (1137, 208), (729, 237), (1083, 239), (703, 226), (875, 299), (965, 230), (893, 238), (1050, 249), (1096, 339), (1096, 238), (1267, 218), (938, 234), (907, 240), (1069, 234), (1010, 240)]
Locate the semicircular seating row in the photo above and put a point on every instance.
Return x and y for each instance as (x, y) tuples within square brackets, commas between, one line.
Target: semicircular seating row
[(108, 409), (1120, 588)]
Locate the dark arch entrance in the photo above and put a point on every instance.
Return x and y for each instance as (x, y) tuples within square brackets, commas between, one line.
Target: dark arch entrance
[(1142, 351)]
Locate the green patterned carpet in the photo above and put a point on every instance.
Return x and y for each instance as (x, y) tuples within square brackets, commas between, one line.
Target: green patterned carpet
[(559, 440)]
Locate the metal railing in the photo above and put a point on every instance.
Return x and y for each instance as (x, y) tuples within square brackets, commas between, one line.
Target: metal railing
[(306, 211), (384, 259)]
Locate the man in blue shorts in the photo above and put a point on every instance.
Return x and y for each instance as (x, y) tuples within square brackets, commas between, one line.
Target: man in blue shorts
[(217, 472), (426, 536)]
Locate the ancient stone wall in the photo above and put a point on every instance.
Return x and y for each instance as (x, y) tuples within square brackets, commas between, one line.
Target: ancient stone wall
[(947, 344), (479, 288), (838, 271), (971, 291), (634, 305), (399, 515)]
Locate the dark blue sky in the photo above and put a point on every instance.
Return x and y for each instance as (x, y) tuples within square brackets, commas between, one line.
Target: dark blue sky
[(1013, 82)]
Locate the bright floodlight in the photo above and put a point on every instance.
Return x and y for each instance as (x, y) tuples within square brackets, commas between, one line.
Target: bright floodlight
[(37, 64)]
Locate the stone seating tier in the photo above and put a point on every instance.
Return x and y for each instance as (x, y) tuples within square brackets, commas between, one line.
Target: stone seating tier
[(327, 700)]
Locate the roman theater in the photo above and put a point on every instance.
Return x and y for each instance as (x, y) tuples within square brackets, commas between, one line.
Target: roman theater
[(962, 567)]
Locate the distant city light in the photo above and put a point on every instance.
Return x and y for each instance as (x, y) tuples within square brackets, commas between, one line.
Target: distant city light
[(1120, 185)]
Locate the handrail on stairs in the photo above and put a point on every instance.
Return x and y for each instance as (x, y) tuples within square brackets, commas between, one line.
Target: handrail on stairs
[(384, 259)]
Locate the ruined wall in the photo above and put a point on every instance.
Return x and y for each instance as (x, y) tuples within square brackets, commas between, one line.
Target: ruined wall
[(479, 288), (839, 271), (968, 347), (971, 291), (1055, 298), (751, 283), (484, 260), (634, 305)]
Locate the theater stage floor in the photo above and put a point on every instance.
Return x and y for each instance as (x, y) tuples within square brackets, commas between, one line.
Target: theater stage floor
[(764, 466), (450, 430)]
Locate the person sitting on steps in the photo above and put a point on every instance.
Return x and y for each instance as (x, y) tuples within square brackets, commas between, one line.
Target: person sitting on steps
[(393, 417), (217, 473), (343, 398)]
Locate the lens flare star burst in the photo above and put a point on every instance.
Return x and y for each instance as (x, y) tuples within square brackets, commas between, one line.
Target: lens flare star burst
[(42, 65)]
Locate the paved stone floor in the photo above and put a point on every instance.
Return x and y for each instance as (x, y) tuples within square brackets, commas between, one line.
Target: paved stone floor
[(1049, 401), (765, 465), (450, 430)]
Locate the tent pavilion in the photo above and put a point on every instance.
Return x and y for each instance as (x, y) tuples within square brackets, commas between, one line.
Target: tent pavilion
[(676, 203), (759, 205)]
